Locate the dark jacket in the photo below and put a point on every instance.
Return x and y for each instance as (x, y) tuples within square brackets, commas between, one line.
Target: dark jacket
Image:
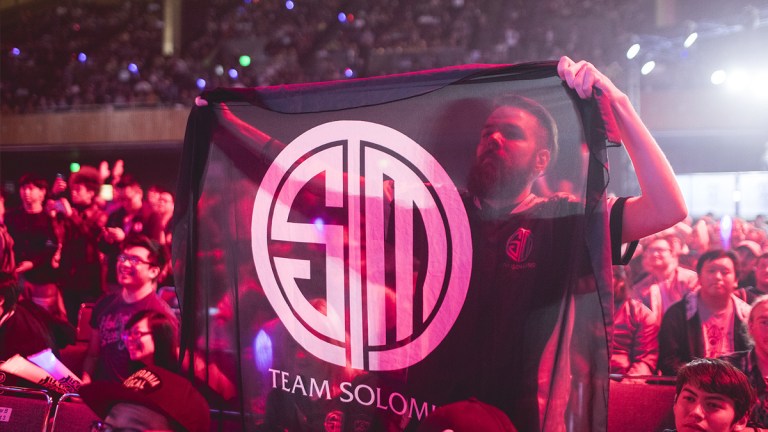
[(681, 338)]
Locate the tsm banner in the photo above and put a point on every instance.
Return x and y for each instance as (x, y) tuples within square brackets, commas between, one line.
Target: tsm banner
[(336, 260)]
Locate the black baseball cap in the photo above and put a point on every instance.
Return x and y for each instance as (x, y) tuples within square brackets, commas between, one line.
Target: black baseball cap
[(157, 389)]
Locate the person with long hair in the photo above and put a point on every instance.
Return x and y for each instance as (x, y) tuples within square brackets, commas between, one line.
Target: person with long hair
[(152, 338)]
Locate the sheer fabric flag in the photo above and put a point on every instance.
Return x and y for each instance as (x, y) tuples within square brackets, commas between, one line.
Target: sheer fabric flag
[(332, 263)]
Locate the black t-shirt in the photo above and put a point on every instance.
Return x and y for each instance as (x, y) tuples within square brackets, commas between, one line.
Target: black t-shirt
[(524, 262)]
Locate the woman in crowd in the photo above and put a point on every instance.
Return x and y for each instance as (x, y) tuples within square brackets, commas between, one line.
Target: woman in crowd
[(152, 339), (754, 363)]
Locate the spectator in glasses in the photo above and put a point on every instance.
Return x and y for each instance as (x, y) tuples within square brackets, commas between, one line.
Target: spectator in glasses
[(151, 337), (138, 267)]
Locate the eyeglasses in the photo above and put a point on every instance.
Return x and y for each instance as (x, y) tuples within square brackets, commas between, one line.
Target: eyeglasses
[(134, 334), (100, 426), (659, 250), (133, 259)]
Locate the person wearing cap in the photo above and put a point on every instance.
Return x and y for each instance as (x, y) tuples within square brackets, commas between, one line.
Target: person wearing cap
[(139, 265), (760, 287), (747, 251), (152, 398), (82, 221), (469, 415)]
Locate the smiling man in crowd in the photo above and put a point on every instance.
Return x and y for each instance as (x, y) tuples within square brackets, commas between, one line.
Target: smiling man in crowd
[(138, 267)]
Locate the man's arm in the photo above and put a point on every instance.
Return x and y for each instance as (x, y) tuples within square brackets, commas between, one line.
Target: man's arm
[(661, 203), (91, 356)]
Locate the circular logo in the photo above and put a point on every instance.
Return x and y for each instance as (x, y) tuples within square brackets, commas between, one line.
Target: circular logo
[(362, 245)]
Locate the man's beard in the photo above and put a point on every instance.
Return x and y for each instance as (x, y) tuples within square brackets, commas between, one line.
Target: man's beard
[(487, 179)]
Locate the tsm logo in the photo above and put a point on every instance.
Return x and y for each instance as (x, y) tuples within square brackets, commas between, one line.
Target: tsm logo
[(519, 245), (372, 320)]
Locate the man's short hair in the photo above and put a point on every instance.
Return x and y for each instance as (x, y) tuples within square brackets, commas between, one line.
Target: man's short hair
[(720, 377), (89, 177), (127, 180), (33, 179), (157, 254), (717, 254), (674, 242), (537, 110)]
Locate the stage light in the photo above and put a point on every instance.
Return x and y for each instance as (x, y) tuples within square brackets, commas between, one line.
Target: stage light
[(342, 17), (350, 17), (319, 224), (648, 67), (15, 52), (132, 68), (82, 57), (690, 39), (200, 83), (349, 73), (232, 73), (760, 84), (718, 77), (218, 70), (738, 80), (245, 60), (289, 5), (262, 348), (74, 167), (632, 51), (726, 225)]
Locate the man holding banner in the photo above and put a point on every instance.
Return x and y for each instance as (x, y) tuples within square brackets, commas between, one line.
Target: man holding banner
[(429, 296)]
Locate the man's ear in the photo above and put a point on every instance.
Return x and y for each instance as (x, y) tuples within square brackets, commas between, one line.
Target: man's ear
[(154, 272), (542, 159), (740, 425)]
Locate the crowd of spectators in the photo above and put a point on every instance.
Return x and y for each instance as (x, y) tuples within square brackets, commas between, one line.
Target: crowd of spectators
[(687, 293), (81, 54)]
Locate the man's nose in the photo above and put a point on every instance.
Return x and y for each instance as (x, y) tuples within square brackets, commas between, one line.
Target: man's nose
[(494, 140), (696, 412)]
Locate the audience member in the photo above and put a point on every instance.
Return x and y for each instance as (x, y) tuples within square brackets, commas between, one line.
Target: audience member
[(708, 322), (25, 327), (35, 245), (754, 363), (138, 268), (7, 258), (164, 208), (760, 288), (152, 338), (82, 278), (152, 399), (747, 251), (666, 282), (712, 396), (132, 217), (635, 348), (469, 415)]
